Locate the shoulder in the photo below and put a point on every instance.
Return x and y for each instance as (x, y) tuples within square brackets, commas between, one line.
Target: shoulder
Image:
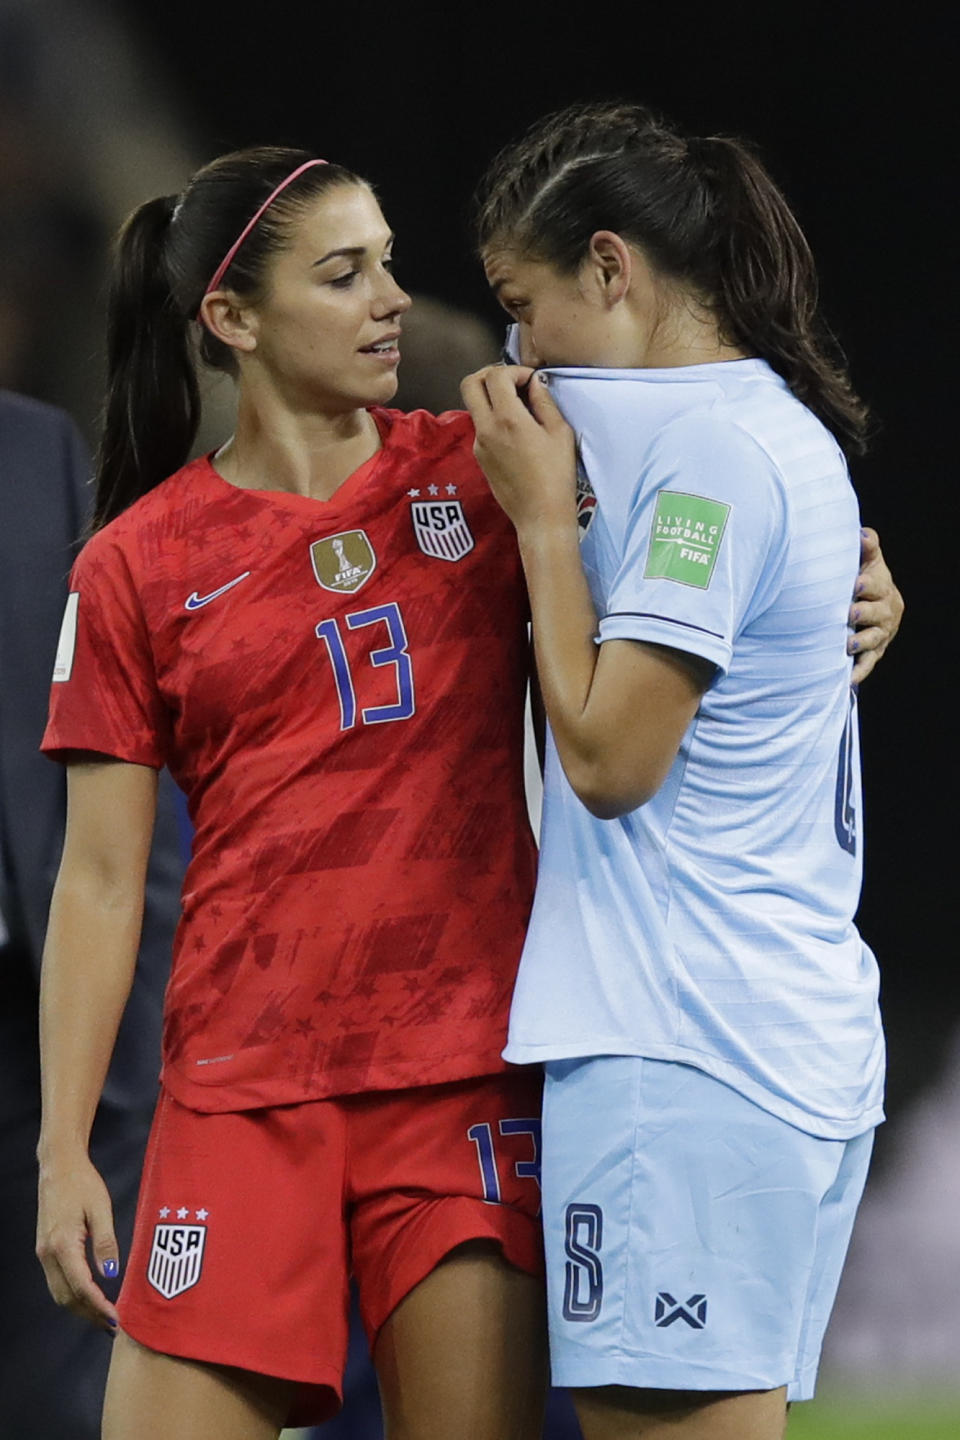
[(715, 448), (23, 413), (25, 422), (167, 509), (755, 428)]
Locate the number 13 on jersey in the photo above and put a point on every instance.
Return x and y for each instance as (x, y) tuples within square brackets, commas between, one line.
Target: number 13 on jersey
[(395, 653)]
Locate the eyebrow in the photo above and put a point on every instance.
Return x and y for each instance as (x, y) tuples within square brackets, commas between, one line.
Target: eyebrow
[(353, 251)]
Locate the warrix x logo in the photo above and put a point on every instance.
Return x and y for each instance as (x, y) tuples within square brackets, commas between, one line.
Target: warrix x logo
[(693, 1311)]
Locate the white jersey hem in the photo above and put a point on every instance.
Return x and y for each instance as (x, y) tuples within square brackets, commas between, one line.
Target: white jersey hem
[(827, 1127)]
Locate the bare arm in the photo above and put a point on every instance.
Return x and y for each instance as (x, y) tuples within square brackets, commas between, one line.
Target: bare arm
[(88, 966), (618, 711)]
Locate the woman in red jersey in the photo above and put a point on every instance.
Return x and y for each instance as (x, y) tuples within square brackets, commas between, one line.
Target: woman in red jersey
[(321, 630)]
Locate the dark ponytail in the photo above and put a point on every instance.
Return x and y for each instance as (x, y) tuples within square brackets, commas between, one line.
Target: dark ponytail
[(165, 255), (152, 407), (705, 213)]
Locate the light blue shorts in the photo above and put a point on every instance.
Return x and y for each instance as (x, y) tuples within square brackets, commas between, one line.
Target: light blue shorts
[(694, 1241)]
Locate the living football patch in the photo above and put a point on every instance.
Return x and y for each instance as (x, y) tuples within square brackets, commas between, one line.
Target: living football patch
[(685, 540)]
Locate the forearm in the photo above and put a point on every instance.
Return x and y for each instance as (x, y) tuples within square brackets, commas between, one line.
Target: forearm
[(564, 629), (88, 967)]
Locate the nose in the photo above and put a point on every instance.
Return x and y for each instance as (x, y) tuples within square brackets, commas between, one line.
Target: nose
[(391, 300)]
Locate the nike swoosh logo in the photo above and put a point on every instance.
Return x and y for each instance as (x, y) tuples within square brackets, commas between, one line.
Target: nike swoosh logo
[(196, 601)]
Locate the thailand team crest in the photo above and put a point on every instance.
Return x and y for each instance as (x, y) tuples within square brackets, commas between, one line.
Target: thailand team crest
[(441, 529), (342, 563), (176, 1258), (586, 500)]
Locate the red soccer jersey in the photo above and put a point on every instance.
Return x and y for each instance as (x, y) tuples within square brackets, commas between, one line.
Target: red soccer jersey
[(338, 687)]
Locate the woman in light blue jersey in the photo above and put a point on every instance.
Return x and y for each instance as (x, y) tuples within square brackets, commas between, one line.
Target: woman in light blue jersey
[(692, 976)]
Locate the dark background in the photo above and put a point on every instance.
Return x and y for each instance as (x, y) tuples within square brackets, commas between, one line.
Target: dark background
[(852, 114)]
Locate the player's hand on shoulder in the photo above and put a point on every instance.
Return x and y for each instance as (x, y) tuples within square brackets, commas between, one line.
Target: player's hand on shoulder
[(523, 445), (877, 607), (74, 1207)]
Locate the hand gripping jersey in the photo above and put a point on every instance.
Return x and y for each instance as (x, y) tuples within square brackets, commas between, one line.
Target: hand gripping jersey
[(338, 687), (714, 925)]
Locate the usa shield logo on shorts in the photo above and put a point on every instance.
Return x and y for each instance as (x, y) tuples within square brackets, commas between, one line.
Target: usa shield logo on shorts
[(176, 1258), (344, 562), (441, 529)]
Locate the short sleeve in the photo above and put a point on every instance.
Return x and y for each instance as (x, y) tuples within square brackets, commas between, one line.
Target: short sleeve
[(705, 541), (104, 694)]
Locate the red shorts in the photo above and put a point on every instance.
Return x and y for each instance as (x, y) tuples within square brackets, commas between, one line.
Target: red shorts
[(250, 1223)]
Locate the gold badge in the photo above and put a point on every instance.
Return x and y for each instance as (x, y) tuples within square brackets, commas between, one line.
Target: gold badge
[(342, 563)]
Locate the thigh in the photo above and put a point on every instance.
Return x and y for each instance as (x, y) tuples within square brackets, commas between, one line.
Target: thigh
[(681, 1225), (151, 1396), (447, 1254), (465, 1352), (614, 1413), (433, 1167)]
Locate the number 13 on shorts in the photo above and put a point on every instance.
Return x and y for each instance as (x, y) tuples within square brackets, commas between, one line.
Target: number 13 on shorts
[(490, 1160)]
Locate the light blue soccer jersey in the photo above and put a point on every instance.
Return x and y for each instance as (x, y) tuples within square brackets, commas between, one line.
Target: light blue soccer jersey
[(714, 925)]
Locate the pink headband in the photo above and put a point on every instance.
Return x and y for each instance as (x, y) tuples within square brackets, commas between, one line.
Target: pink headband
[(227, 260)]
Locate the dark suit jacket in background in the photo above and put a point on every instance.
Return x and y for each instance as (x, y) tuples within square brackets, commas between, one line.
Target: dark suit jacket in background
[(52, 1365)]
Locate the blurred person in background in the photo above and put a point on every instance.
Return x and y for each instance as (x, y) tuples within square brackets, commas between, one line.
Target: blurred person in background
[(53, 1367)]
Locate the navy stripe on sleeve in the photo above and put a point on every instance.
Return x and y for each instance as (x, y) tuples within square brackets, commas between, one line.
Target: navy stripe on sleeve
[(667, 619)]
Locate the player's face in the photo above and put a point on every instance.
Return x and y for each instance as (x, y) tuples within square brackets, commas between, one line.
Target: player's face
[(328, 327), (560, 319)]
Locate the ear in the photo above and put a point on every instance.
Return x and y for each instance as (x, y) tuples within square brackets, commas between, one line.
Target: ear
[(611, 261), (231, 322)]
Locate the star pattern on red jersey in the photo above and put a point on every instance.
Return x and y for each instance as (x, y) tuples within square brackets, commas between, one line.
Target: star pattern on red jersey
[(352, 757)]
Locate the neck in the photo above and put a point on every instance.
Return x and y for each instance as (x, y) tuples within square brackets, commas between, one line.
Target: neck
[(301, 452), (686, 334)]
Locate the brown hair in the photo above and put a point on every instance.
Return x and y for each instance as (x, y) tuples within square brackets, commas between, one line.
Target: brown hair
[(704, 211)]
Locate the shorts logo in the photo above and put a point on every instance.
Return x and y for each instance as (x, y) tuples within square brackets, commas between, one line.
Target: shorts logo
[(176, 1258), (685, 540), (441, 529), (344, 562), (693, 1311)]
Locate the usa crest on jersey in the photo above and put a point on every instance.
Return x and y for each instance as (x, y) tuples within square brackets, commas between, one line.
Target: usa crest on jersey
[(176, 1258), (441, 529)]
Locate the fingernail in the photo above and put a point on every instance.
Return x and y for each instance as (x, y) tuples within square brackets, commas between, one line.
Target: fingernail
[(856, 612), (544, 379), (864, 532), (110, 1268), (860, 587), (854, 646)]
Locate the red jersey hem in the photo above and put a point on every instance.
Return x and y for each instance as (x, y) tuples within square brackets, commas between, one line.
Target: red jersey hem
[(264, 1092)]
